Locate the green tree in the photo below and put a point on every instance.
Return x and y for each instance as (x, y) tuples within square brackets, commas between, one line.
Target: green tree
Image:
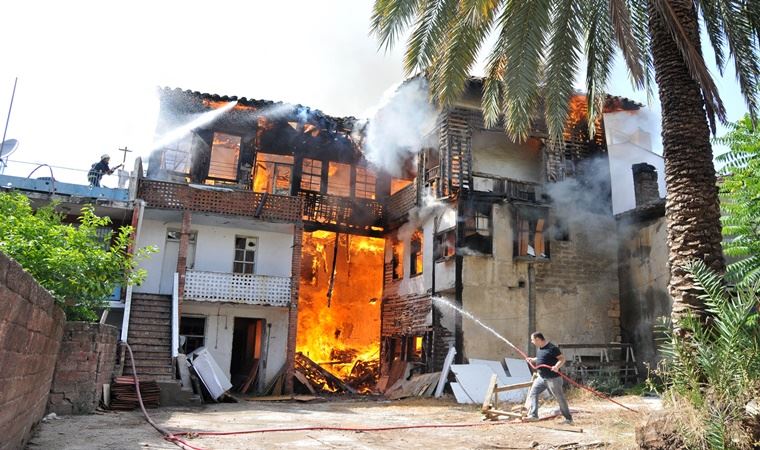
[(740, 201), (537, 54), (77, 266)]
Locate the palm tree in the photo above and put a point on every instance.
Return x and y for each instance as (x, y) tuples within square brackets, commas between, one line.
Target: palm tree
[(537, 53)]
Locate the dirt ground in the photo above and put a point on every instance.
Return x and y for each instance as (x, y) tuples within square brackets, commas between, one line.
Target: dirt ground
[(596, 422)]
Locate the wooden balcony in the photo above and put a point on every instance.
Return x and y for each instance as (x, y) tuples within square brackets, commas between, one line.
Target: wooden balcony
[(237, 288), (364, 216), (179, 196)]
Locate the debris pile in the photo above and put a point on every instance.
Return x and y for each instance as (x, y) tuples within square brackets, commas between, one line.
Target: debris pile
[(124, 394)]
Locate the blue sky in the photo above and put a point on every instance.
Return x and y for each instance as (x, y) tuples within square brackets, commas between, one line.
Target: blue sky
[(87, 69)]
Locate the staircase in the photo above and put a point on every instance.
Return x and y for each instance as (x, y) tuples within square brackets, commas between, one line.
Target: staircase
[(150, 328)]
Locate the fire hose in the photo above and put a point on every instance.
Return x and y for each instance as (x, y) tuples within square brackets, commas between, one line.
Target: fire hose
[(176, 437)]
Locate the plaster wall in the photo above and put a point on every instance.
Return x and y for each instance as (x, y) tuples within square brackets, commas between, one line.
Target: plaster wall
[(494, 155), (220, 321), (215, 249), (644, 279), (632, 138)]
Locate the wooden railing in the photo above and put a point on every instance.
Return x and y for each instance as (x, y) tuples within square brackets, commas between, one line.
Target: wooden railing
[(237, 288), (346, 212), (166, 195)]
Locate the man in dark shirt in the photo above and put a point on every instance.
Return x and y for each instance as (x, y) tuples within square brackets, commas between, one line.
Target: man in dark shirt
[(547, 354), (98, 170)]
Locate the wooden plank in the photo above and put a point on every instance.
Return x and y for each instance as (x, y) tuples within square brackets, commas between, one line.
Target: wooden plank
[(510, 387), (569, 428), (445, 373), (251, 376), (488, 400), (498, 412), (305, 381)]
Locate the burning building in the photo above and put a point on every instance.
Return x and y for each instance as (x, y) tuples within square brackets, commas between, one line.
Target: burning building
[(284, 250)]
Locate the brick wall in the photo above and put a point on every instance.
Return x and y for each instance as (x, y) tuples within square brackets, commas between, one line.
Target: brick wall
[(85, 362), (31, 325), (293, 310)]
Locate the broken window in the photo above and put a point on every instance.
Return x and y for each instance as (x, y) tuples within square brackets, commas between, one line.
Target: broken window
[(176, 155), (339, 179), (365, 183), (191, 333), (531, 239), (245, 255), (225, 151), (397, 260), (444, 245), (415, 254), (311, 175), (273, 173), (477, 229)]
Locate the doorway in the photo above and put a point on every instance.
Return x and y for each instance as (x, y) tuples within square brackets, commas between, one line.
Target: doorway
[(171, 254), (245, 364)]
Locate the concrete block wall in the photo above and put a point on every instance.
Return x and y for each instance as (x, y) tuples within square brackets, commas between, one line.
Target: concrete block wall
[(85, 362), (31, 325)]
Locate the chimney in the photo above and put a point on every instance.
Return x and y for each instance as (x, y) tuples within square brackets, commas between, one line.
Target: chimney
[(645, 184)]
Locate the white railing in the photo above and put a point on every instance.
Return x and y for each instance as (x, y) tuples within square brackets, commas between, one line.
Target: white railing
[(237, 288), (175, 316)]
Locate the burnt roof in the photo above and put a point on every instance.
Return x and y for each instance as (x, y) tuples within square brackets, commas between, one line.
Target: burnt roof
[(315, 116)]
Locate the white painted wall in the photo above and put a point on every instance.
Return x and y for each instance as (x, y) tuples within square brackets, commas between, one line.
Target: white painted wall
[(632, 137), (220, 321), (215, 250)]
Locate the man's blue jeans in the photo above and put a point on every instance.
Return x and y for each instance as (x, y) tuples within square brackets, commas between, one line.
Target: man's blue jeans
[(555, 388)]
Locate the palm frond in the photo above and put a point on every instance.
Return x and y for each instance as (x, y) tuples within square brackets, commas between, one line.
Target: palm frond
[(433, 17), (460, 48), (694, 61), (562, 63), (599, 55), (620, 17), (390, 18), (640, 25), (706, 280), (524, 25), (493, 88), (714, 25)]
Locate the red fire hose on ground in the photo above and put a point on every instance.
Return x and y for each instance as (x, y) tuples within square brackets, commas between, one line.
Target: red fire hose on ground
[(176, 437)]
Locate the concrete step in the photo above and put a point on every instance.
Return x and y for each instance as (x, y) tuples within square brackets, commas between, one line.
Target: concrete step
[(140, 314), (155, 333), (151, 322), (152, 307)]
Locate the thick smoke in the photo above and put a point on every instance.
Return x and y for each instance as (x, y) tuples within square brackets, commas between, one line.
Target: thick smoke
[(584, 201), (398, 127)]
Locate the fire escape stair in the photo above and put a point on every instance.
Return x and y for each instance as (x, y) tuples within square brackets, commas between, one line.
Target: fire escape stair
[(150, 325)]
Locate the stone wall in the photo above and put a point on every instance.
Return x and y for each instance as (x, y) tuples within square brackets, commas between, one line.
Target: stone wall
[(31, 325), (85, 362)]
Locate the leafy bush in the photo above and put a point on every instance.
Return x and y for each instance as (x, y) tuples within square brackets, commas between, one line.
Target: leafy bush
[(80, 268), (713, 373)]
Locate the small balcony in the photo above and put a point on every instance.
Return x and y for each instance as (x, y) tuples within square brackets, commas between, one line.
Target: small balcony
[(237, 288)]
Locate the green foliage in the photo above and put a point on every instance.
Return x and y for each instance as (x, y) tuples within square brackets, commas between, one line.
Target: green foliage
[(607, 380), (740, 201), (712, 374), (77, 266)]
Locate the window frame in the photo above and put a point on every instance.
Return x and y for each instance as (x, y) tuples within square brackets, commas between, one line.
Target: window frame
[(193, 336), (233, 176), (274, 166), (308, 177), (529, 222), (363, 187), (245, 262), (416, 258)]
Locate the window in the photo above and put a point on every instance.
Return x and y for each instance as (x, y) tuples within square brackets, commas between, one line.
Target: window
[(191, 333), (415, 254), (245, 255), (531, 240), (176, 155), (477, 230), (311, 175), (225, 151), (339, 179), (444, 245), (397, 260), (365, 183), (273, 173)]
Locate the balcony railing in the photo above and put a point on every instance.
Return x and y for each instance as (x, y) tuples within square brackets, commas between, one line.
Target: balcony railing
[(166, 195), (237, 288), (357, 213)]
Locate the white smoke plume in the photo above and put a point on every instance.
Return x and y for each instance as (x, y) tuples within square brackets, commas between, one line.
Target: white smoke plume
[(399, 125)]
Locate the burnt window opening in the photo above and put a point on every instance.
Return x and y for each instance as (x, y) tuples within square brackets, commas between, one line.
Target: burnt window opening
[(192, 333), (225, 155), (365, 185), (339, 179), (478, 233), (175, 156), (415, 254), (415, 348), (560, 230), (311, 175), (245, 255), (444, 245), (397, 260), (273, 173), (431, 164), (531, 239)]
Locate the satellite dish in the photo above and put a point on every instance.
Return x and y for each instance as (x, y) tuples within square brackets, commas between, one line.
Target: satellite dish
[(9, 146)]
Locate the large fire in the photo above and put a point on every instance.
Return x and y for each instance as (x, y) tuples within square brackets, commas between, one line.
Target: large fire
[(339, 307)]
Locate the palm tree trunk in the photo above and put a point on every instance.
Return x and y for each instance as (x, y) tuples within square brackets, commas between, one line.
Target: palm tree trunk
[(692, 208)]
